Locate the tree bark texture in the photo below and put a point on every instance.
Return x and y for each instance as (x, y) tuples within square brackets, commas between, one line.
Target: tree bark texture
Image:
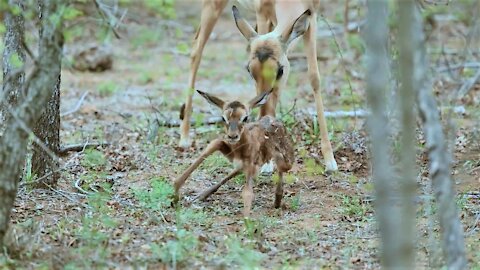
[(376, 39), (13, 144), (439, 165), (409, 28), (47, 129), (13, 75)]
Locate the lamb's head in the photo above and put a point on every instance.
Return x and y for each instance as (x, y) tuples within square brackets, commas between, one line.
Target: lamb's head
[(235, 114)]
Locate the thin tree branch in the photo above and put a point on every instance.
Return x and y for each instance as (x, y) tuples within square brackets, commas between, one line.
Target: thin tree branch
[(106, 15), (77, 106)]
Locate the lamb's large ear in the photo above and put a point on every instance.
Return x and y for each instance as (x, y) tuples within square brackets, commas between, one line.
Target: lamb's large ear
[(247, 31), (260, 100), (298, 28), (212, 99)]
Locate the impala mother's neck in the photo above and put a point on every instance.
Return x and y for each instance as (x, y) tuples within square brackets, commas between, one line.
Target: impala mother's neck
[(287, 11)]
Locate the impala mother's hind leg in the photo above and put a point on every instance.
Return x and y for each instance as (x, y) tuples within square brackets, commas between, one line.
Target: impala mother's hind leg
[(211, 10)]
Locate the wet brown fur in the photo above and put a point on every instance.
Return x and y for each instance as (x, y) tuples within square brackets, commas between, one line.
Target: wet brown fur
[(260, 141)]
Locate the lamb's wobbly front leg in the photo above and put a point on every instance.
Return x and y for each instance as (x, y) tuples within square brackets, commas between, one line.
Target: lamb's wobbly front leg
[(213, 146), (279, 191), (204, 195)]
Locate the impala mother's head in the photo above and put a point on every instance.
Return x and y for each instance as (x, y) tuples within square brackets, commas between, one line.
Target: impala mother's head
[(267, 60)]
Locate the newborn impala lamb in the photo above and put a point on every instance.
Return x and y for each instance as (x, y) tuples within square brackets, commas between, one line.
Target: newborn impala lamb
[(248, 145)]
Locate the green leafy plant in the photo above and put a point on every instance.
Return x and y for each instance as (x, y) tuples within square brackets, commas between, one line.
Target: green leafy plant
[(242, 255), (95, 231), (295, 202), (352, 206), (178, 250), (107, 88), (253, 228), (312, 168), (93, 159), (193, 217), (158, 197)]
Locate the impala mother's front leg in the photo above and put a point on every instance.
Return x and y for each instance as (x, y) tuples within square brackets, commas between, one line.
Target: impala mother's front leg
[(211, 11), (212, 147)]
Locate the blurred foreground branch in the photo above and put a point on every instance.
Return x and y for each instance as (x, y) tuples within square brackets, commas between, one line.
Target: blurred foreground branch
[(13, 144), (376, 39)]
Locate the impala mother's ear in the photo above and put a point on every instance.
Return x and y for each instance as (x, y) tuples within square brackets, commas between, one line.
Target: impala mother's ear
[(247, 31), (298, 28), (260, 99)]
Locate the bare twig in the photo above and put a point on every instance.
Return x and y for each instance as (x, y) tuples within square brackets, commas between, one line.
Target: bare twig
[(106, 15), (458, 66), (291, 109), (80, 147), (29, 52), (298, 56), (77, 106), (474, 226), (79, 188), (347, 76), (468, 85), (28, 130), (40, 179), (345, 15), (62, 193), (339, 30)]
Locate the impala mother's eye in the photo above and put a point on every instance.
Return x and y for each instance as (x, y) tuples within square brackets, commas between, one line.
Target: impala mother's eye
[(279, 72)]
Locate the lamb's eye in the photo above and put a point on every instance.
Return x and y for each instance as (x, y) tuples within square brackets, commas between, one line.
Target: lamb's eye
[(224, 119), (245, 119)]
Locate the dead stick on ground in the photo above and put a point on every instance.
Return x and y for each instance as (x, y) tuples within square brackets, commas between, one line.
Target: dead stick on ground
[(79, 188), (80, 147), (77, 106)]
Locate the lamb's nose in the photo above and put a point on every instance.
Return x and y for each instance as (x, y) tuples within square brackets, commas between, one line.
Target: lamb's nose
[(233, 137)]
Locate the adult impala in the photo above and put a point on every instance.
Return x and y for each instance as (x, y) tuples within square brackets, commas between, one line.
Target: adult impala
[(267, 60)]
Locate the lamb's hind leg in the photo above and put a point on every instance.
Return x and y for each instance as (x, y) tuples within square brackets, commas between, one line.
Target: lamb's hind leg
[(204, 195), (279, 191)]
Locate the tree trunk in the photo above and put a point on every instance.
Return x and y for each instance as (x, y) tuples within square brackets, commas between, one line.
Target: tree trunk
[(47, 130), (376, 39), (409, 28), (13, 144), (13, 73), (439, 165)]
